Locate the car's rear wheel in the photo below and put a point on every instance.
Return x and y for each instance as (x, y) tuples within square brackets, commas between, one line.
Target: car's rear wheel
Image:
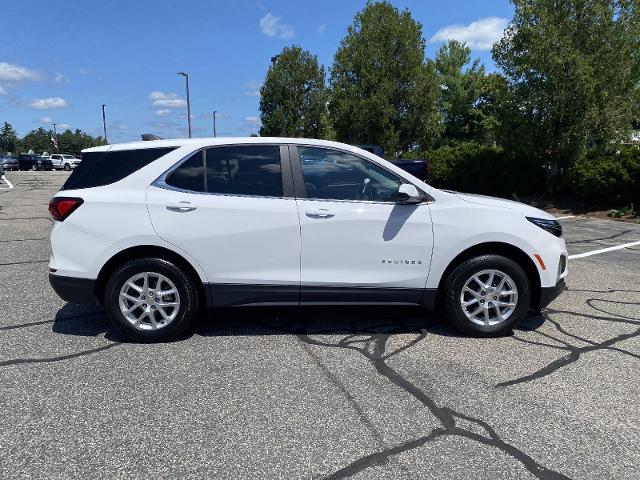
[(67, 167), (34, 167), (150, 300), (487, 295)]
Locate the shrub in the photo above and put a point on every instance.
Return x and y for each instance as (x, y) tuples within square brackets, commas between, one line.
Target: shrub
[(470, 167), (607, 178)]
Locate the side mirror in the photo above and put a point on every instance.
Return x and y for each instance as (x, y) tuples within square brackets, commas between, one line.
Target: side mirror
[(409, 195)]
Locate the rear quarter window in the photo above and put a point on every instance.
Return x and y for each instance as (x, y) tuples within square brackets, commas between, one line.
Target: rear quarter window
[(104, 168)]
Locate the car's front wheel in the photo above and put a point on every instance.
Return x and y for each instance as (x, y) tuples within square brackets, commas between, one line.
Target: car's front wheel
[(67, 167), (150, 300), (487, 295)]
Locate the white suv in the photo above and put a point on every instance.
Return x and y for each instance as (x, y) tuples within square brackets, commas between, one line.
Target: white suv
[(155, 230), (63, 161)]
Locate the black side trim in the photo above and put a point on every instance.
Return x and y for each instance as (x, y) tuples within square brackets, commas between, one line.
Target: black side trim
[(337, 295), (228, 295), (225, 295), (74, 290), (548, 294)]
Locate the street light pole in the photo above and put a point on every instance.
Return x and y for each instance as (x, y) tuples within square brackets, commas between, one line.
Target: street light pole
[(104, 125), (186, 76), (214, 123)]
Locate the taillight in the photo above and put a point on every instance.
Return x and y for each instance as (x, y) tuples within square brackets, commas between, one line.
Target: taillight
[(61, 207)]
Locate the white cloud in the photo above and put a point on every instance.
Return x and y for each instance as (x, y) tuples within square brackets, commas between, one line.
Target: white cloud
[(16, 73), (251, 89), (321, 28), (271, 26), (166, 100), (60, 78), (2, 91), (45, 120), (48, 103), (84, 71), (163, 112), (254, 120), (479, 35), (61, 127)]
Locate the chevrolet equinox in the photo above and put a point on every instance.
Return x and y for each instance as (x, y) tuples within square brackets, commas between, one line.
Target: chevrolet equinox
[(155, 230)]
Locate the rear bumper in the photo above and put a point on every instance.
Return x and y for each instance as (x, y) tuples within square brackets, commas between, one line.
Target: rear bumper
[(549, 294), (74, 290)]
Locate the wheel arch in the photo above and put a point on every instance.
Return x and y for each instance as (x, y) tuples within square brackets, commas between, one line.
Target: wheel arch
[(141, 251), (506, 250)]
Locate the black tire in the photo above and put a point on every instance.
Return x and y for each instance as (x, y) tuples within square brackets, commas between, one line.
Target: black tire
[(67, 167), (456, 280), (184, 284), (34, 168)]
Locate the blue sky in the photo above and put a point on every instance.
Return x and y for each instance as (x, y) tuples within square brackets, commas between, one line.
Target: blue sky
[(59, 62)]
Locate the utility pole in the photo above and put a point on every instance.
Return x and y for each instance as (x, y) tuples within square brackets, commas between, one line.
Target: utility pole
[(214, 123), (104, 125), (186, 76)]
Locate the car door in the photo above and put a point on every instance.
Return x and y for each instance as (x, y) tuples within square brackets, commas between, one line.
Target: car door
[(232, 209), (358, 243), (56, 160)]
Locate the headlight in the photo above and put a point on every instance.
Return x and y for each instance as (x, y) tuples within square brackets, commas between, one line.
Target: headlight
[(551, 226)]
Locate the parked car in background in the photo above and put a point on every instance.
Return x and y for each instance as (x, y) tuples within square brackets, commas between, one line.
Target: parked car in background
[(1, 170), (417, 168), (64, 161), (30, 161), (9, 162), (154, 230)]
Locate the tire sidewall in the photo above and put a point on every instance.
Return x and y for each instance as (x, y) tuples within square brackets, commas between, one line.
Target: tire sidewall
[(463, 272), (184, 285)]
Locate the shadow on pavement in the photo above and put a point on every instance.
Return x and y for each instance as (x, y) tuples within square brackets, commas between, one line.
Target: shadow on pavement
[(92, 321)]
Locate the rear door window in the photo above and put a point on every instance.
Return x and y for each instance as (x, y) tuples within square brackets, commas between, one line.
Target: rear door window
[(104, 168), (244, 170), (189, 175)]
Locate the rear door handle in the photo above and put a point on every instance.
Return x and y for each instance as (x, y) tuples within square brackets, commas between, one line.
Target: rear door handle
[(320, 213), (181, 206)]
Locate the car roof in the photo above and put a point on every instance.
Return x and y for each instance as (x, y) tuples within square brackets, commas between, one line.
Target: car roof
[(212, 141)]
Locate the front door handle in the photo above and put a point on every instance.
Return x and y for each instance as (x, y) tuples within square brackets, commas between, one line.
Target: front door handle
[(181, 206), (320, 213)]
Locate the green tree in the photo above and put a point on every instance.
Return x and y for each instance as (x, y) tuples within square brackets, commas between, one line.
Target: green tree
[(496, 109), (460, 92), (74, 142), (382, 91), (38, 140), (293, 96), (8, 138), (574, 70)]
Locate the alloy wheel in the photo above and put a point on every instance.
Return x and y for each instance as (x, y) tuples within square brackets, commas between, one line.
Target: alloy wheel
[(149, 301), (489, 297)]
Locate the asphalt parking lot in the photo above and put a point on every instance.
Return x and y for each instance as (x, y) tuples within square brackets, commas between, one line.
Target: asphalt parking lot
[(318, 393)]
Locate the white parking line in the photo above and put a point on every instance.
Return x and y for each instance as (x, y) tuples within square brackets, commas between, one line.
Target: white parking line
[(568, 216), (603, 250), (8, 182)]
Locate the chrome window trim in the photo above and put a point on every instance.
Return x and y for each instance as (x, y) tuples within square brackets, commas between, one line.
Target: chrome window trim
[(160, 182)]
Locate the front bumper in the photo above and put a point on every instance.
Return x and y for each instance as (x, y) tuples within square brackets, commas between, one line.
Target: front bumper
[(74, 290), (549, 294)]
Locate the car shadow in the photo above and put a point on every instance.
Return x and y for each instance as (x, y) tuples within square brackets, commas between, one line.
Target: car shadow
[(84, 320), (92, 321)]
